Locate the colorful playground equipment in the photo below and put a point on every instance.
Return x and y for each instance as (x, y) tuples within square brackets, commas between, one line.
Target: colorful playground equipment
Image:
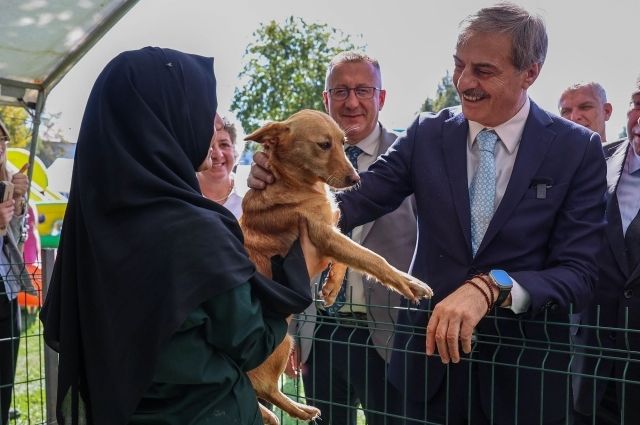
[(51, 205)]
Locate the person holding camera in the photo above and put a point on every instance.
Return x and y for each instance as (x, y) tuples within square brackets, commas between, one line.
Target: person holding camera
[(12, 272)]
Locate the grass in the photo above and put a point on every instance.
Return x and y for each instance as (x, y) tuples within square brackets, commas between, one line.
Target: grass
[(293, 388), (29, 388)]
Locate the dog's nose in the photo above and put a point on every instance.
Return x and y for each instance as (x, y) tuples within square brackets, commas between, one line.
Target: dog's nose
[(352, 179)]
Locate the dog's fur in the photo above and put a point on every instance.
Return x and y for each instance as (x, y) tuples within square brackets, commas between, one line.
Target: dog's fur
[(306, 156)]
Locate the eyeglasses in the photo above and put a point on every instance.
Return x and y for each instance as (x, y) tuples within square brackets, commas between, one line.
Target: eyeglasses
[(342, 93), (635, 105)]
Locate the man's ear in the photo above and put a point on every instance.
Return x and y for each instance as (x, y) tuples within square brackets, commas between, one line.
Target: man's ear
[(531, 74), (608, 109), (268, 135)]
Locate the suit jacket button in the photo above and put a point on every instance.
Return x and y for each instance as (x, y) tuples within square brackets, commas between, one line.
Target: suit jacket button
[(628, 293)]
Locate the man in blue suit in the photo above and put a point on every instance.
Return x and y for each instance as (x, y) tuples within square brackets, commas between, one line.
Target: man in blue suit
[(510, 204), (532, 255), (615, 309)]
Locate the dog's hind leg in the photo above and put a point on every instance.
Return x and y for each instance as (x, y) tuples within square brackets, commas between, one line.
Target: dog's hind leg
[(264, 380), (294, 409)]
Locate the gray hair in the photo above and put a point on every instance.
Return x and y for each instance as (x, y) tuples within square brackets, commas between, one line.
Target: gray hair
[(597, 88), (527, 31), (636, 87), (351, 56), (230, 128)]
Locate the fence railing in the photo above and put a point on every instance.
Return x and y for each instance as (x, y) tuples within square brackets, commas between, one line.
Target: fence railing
[(534, 347)]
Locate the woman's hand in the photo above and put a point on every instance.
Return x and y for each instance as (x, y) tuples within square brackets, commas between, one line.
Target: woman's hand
[(20, 184), (316, 263), (6, 212)]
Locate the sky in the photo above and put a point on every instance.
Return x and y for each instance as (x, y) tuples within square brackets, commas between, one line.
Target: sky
[(413, 40)]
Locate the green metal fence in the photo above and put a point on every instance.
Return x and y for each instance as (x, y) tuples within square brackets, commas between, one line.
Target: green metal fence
[(33, 379), (27, 402)]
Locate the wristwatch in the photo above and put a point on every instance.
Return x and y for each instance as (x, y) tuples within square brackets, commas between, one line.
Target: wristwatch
[(503, 281)]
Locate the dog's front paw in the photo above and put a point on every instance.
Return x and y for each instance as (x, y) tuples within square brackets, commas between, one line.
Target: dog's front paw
[(329, 294), (333, 282), (416, 289)]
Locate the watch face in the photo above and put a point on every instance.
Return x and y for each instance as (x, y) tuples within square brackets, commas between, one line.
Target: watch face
[(501, 278)]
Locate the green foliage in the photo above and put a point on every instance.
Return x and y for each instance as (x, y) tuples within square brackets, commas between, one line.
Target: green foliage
[(446, 96), (284, 70), (16, 119), (19, 123)]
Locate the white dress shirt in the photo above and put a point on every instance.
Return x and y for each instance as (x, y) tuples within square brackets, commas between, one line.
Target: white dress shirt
[(628, 190), (510, 134)]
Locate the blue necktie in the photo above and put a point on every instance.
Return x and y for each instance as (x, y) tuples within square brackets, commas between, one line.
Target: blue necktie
[(482, 192), (352, 153)]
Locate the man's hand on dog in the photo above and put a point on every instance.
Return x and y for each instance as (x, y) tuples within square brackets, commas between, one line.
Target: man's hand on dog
[(452, 323), (259, 176)]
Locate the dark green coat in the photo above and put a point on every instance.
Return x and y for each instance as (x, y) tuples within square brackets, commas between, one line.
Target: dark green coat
[(200, 375)]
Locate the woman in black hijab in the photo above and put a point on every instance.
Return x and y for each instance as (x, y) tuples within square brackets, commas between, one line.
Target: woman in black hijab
[(153, 304)]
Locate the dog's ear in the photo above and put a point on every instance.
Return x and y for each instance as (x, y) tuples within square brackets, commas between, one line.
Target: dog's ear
[(268, 135)]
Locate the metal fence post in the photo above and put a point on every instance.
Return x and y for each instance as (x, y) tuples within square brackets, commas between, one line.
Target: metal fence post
[(50, 356)]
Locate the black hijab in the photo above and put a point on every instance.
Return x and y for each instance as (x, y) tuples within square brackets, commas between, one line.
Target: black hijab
[(141, 247)]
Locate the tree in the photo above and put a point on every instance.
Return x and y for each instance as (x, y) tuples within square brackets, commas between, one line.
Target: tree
[(284, 70), (19, 123), (446, 96)]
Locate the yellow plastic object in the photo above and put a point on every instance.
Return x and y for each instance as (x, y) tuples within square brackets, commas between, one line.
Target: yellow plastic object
[(50, 203), (17, 157), (50, 217)]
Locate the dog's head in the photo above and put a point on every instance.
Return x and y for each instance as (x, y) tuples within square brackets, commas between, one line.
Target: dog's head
[(308, 146)]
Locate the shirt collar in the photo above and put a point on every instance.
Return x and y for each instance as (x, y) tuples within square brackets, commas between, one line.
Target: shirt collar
[(369, 144), (509, 132), (633, 160)]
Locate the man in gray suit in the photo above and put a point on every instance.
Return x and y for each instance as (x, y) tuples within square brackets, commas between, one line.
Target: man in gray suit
[(344, 349)]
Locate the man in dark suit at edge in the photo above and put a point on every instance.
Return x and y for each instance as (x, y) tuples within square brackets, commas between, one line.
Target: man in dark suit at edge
[(616, 303)]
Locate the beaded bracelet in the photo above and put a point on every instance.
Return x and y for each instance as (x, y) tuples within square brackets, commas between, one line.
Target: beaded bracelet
[(489, 286), (486, 297)]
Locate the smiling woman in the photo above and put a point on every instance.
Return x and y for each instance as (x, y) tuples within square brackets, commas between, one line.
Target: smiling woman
[(217, 182)]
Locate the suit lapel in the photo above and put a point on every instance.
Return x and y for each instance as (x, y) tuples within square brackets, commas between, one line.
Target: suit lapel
[(614, 221), (386, 140), (454, 146), (634, 273), (614, 233), (536, 141)]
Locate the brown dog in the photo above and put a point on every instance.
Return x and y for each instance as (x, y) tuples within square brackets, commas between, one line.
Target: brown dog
[(306, 156)]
